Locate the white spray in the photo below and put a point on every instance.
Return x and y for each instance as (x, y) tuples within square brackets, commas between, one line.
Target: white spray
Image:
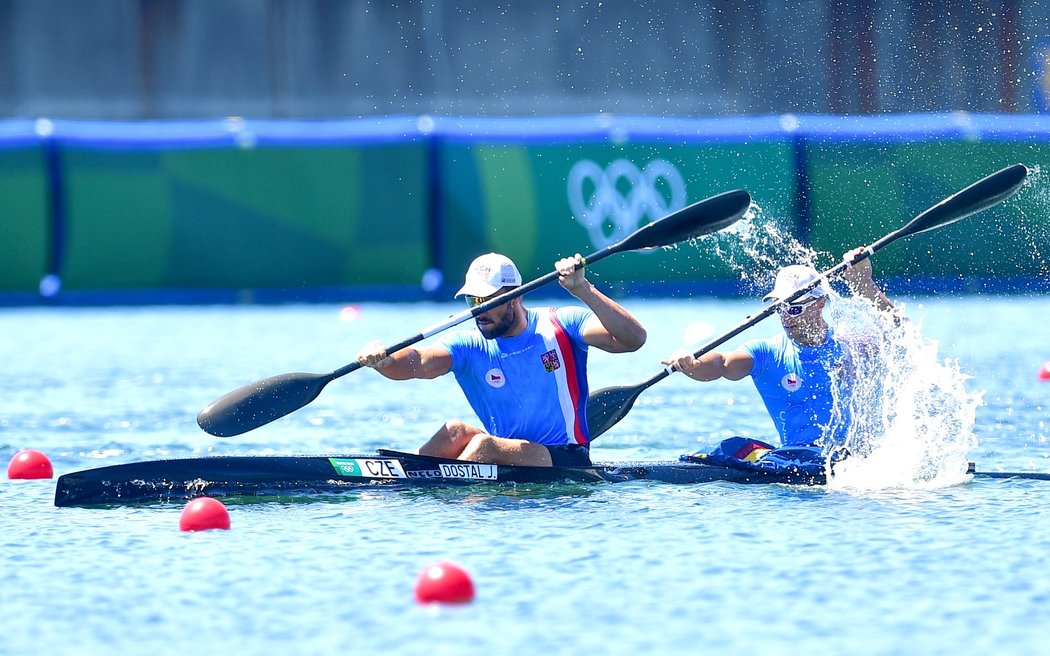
[(913, 416)]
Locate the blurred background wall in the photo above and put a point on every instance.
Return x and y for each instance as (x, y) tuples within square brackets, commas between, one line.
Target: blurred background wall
[(246, 150), (141, 59)]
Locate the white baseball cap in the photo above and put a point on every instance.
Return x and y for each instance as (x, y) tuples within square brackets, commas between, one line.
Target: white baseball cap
[(791, 278), (488, 274)]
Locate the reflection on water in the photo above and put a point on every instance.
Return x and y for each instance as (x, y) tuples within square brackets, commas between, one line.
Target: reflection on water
[(512, 496)]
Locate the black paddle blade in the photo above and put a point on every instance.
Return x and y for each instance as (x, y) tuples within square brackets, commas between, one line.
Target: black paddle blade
[(701, 218), (607, 406), (981, 195), (261, 402)]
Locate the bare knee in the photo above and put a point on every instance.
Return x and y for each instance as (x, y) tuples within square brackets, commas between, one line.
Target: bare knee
[(459, 431), (480, 448), (506, 451), (449, 440)]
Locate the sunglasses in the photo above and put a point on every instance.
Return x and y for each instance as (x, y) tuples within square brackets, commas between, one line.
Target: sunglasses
[(795, 309), (474, 301)]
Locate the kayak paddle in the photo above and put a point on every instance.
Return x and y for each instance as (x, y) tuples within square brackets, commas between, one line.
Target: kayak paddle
[(607, 406), (261, 402)]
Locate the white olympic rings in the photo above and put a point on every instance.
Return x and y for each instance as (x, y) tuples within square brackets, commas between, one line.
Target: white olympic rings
[(609, 215)]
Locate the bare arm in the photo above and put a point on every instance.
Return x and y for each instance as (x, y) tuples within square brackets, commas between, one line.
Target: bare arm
[(408, 363), (712, 366), (616, 330), (858, 278)]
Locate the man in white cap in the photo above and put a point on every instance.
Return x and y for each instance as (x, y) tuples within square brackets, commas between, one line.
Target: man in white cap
[(794, 371), (524, 370)]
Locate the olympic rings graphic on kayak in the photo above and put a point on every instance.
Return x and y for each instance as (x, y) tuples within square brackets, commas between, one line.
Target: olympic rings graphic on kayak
[(610, 215)]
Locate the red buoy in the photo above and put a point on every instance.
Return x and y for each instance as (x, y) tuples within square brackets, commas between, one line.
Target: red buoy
[(30, 464), (1044, 372), (444, 583), (350, 313), (204, 513)]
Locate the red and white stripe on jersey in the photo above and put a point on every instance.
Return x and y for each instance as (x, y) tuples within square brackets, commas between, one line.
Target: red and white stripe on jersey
[(568, 375)]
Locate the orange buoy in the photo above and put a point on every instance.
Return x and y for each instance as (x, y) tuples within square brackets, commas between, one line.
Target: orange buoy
[(204, 513), (444, 583), (30, 464)]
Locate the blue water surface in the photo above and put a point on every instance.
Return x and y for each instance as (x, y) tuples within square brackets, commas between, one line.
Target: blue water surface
[(615, 569)]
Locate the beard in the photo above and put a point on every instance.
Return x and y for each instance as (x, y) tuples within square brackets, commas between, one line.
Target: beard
[(497, 328)]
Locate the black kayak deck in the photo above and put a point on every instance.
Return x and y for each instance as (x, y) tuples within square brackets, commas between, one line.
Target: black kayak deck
[(182, 479), (223, 476)]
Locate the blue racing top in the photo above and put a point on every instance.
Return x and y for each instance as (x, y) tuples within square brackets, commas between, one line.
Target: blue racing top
[(532, 386), (796, 385)]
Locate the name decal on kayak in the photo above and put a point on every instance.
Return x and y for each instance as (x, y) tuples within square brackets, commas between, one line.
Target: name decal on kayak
[(368, 467), (472, 471)]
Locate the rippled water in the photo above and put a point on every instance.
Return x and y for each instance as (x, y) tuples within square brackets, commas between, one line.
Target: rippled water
[(617, 569)]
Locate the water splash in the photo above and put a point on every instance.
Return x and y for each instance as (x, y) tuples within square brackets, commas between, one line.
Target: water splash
[(757, 246), (1032, 232), (912, 415)]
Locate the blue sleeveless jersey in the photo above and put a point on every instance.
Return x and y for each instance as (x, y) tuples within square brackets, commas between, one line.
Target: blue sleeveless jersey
[(532, 386), (795, 383)]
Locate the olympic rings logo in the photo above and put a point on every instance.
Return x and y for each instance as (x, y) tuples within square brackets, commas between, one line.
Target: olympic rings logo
[(609, 215)]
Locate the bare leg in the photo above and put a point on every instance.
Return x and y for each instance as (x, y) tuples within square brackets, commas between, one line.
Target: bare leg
[(506, 451), (450, 440)]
